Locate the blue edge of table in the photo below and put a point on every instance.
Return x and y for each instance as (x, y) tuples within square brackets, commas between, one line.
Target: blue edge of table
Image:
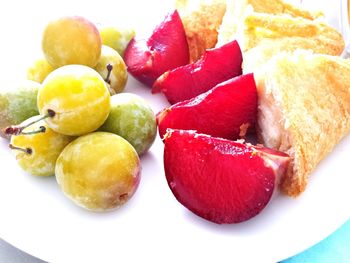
[(335, 248)]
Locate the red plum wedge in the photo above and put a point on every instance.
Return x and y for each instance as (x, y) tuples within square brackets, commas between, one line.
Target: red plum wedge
[(215, 66), (165, 49), (227, 111), (220, 180)]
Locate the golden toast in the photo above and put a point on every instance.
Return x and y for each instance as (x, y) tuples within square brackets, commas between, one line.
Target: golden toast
[(303, 110)]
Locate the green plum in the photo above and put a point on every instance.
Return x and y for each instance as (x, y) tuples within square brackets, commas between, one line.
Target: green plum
[(133, 119), (116, 38), (18, 104), (112, 68)]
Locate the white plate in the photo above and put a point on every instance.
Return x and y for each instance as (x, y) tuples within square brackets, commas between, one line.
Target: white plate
[(153, 226)]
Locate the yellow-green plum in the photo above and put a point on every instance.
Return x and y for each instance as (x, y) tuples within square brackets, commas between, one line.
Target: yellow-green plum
[(132, 118), (116, 38), (112, 68), (39, 70), (71, 40), (37, 153), (18, 104), (76, 100), (99, 171)]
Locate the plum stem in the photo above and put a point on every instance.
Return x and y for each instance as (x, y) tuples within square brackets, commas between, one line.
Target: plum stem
[(109, 71), (25, 150), (18, 129), (41, 129)]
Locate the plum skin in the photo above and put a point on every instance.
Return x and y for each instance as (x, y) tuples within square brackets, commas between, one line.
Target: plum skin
[(133, 119), (79, 97), (119, 74), (39, 70), (99, 171), (18, 105), (116, 38), (71, 40)]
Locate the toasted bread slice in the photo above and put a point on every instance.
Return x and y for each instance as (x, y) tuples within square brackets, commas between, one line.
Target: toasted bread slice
[(235, 10), (201, 20), (304, 110), (257, 27)]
